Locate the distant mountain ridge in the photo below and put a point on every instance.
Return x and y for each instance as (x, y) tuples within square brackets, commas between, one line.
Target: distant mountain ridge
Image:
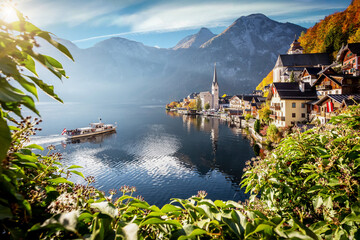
[(195, 40), (123, 70)]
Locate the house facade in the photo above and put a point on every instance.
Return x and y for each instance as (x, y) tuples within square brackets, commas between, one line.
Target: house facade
[(349, 55), (330, 105), (288, 103)]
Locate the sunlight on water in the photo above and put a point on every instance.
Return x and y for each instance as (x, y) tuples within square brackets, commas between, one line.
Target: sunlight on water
[(155, 152)]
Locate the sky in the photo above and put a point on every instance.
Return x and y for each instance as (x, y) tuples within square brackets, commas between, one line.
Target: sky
[(162, 23)]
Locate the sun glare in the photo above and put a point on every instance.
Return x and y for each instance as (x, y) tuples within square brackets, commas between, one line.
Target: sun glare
[(8, 14)]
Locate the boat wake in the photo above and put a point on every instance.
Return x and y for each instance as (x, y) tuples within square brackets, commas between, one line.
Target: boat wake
[(47, 140)]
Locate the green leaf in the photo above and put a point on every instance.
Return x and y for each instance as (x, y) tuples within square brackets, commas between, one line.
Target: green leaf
[(34, 146), (5, 138), (160, 221), (48, 89), (59, 46), (194, 233), (259, 228), (170, 208), (317, 202), (74, 166), (5, 212), (78, 173), (60, 180), (30, 87)]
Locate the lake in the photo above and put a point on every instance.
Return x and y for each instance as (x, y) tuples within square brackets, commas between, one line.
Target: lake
[(164, 155)]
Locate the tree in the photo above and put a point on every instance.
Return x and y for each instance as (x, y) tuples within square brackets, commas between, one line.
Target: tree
[(264, 114), (292, 77), (192, 104), (207, 106), (248, 116), (272, 133), (257, 125), (198, 104)]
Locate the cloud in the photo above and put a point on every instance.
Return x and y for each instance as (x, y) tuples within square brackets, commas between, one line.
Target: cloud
[(72, 13), (176, 16)]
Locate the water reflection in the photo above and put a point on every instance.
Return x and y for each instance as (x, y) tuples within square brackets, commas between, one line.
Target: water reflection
[(230, 148)]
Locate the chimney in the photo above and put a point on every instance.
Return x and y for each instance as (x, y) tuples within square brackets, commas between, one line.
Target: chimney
[(302, 86)]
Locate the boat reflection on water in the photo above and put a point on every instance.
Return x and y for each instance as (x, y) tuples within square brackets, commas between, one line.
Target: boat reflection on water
[(95, 139)]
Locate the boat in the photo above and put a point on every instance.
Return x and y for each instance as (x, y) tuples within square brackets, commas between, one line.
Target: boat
[(94, 129)]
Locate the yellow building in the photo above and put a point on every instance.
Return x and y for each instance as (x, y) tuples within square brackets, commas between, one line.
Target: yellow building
[(288, 103)]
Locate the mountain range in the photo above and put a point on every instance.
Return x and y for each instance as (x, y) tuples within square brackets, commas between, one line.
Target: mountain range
[(118, 69)]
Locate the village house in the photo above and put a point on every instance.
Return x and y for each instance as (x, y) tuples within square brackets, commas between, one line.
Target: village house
[(295, 61), (331, 82), (329, 106), (256, 103), (288, 102), (224, 102), (349, 56), (310, 74)]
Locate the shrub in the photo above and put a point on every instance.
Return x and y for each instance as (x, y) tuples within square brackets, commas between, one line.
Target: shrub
[(312, 178), (248, 116), (257, 125)]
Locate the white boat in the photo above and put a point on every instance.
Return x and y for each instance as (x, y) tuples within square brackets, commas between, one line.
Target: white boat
[(94, 129)]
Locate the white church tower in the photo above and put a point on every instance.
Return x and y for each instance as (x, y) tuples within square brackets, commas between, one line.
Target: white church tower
[(215, 91)]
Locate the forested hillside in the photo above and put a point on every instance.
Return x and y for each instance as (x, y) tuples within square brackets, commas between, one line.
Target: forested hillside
[(329, 34), (334, 30)]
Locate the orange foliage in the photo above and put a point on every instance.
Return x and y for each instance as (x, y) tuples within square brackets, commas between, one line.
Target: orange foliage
[(334, 30)]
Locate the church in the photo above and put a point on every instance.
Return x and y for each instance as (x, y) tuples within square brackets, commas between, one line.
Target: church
[(295, 61), (211, 98)]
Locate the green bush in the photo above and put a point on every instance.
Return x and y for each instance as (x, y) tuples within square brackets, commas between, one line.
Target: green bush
[(248, 116), (312, 178), (257, 125)]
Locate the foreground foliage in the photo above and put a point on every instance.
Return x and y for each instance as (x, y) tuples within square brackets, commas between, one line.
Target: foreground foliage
[(313, 178)]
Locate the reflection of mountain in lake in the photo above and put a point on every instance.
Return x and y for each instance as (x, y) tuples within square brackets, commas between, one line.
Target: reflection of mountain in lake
[(220, 147)]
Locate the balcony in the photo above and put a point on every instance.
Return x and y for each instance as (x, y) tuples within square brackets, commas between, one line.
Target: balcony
[(272, 116), (323, 87), (275, 107)]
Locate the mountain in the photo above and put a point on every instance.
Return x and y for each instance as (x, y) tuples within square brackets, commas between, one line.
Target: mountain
[(334, 30), (121, 70), (196, 40)]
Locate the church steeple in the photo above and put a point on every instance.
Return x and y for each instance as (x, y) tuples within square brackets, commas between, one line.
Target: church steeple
[(215, 76), (295, 47), (215, 91)]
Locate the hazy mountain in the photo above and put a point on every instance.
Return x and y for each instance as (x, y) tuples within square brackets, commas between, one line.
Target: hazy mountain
[(196, 40), (118, 69)]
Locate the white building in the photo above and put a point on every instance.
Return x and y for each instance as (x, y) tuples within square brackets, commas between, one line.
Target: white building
[(213, 97)]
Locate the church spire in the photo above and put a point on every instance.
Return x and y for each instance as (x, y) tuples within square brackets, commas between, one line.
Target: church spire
[(215, 76)]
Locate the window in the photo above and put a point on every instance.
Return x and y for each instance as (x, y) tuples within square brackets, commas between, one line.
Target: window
[(293, 105), (303, 115), (303, 105), (293, 115), (282, 105)]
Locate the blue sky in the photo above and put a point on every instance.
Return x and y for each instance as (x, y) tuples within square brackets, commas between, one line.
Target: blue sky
[(162, 23)]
